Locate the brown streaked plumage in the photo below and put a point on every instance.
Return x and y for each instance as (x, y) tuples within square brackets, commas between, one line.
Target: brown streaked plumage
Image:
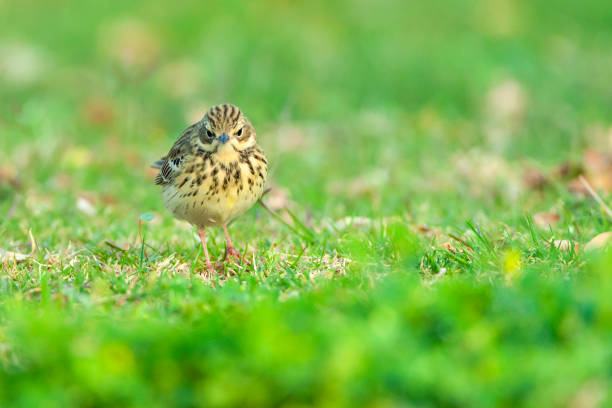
[(214, 172)]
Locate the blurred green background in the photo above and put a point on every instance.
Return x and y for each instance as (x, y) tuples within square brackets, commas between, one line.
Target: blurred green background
[(413, 146)]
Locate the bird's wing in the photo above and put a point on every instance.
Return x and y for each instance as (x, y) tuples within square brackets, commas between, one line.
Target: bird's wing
[(170, 165)]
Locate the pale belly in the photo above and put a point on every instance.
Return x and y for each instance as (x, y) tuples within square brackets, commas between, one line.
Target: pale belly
[(203, 210), (212, 206)]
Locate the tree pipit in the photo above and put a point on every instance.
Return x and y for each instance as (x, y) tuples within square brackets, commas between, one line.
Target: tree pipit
[(214, 172)]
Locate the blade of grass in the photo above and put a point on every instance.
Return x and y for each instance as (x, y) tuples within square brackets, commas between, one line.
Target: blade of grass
[(282, 221), (480, 236), (596, 197)]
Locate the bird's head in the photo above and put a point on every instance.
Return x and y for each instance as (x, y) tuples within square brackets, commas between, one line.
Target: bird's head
[(225, 128)]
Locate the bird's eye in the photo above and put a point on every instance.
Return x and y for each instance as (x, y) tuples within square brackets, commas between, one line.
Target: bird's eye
[(209, 133), (239, 132)]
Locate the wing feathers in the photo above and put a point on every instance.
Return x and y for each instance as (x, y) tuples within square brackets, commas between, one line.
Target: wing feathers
[(171, 164)]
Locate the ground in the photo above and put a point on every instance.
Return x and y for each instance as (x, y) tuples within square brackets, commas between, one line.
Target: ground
[(433, 240)]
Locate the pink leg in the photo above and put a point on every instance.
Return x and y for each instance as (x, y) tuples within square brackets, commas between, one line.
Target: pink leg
[(230, 250), (209, 265)]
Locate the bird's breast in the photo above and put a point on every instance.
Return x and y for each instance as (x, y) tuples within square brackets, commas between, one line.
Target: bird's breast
[(213, 190)]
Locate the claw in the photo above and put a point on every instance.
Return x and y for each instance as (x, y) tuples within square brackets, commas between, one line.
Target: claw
[(231, 252)]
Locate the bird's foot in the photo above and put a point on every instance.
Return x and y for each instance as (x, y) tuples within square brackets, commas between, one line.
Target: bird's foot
[(231, 252), (208, 274)]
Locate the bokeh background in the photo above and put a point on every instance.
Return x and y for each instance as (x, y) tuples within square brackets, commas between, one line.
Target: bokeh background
[(395, 95), (423, 157)]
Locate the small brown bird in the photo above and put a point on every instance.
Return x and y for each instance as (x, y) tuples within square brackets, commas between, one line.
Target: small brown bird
[(214, 172)]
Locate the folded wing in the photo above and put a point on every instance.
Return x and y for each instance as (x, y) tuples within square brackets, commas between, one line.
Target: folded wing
[(170, 165)]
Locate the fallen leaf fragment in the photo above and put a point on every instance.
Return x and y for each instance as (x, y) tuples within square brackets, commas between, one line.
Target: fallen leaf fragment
[(506, 100), (354, 222), (599, 241), (61, 181), (546, 219), (9, 175), (596, 161), (180, 79), (534, 179), (289, 138), (109, 199), (590, 395), (565, 245), (365, 184), (597, 173), (132, 44), (278, 198), (429, 232), (577, 188), (98, 111), (195, 110), (151, 173), (568, 170), (12, 257), (85, 205), (424, 229)]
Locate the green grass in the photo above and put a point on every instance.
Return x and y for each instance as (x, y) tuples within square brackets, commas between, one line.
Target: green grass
[(404, 266)]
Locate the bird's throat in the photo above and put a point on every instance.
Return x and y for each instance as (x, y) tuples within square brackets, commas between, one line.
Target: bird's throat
[(227, 154)]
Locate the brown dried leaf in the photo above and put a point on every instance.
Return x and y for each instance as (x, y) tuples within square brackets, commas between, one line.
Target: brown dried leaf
[(576, 187), (196, 110), (428, 232), (565, 245), (546, 219), (85, 204), (132, 44), (534, 179), (62, 181), (109, 200), (506, 100), (423, 229), (180, 78), (590, 395), (449, 248), (568, 170), (596, 161), (487, 174), (7, 257), (598, 172), (599, 241), (289, 138), (98, 111), (151, 173), (277, 198), (367, 183), (505, 108), (354, 222), (133, 158), (9, 175)]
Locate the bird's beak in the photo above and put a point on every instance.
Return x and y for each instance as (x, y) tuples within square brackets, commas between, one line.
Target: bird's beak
[(223, 138)]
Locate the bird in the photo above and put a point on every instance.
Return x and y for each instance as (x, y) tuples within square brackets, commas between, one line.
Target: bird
[(214, 172)]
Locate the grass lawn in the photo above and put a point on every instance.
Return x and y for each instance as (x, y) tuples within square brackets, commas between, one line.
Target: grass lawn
[(431, 243)]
